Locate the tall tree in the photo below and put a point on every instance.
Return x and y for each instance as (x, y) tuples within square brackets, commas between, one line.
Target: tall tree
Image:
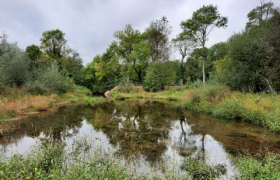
[(139, 57), (53, 43), (185, 45), (260, 13), (127, 40), (72, 65), (157, 36), (200, 26)]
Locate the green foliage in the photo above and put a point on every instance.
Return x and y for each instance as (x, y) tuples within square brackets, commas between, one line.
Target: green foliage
[(33, 52), (103, 73), (185, 45), (140, 57), (259, 14), (200, 26), (50, 80), (257, 168), (15, 70), (72, 65), (53, 161), (14, 65), (83, 90), (252, 59), (35, 68), (160, 75), (157, 36), (53, 42)]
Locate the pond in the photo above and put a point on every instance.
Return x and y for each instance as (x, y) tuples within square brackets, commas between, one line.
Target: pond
[(153, 133)]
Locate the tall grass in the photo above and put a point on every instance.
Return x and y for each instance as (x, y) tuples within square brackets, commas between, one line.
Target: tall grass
[(15, 101), (53, 160)]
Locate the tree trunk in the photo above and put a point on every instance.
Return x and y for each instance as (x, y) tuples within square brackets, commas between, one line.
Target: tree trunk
[(203, 70), (181, 82)]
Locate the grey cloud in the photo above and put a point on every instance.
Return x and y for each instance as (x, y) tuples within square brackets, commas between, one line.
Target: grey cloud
[(89, 25)]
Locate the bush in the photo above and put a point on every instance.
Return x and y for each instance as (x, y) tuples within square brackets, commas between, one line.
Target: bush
[(14, 64), (229, 109), (16, 69), (50, 80), (84, 90), (259, 167), (159, 75)]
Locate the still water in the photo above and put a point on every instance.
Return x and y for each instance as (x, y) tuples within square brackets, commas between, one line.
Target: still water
[(152, 133)]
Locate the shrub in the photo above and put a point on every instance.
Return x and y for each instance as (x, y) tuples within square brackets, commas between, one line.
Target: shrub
[(50, 80), (84, 90), (16, 69), (159, 75), (229, 109), (215, 93)]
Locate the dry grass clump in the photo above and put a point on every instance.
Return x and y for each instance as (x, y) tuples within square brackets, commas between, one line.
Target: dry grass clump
[(27, 102)]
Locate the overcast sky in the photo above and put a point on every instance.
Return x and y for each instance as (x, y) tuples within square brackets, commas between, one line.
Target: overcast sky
[(89, 24)]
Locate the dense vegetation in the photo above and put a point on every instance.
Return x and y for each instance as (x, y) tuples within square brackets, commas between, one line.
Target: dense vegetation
[(52, 160), (219, 80), (51, 68), (248, 61)]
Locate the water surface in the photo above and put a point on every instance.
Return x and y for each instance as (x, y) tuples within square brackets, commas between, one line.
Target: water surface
[(153, 133)]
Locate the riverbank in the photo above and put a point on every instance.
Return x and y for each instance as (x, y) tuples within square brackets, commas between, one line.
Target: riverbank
[(19, 105), (260, 109)]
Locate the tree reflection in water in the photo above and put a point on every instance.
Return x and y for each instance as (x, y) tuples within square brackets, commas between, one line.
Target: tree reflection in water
[(144, 130)]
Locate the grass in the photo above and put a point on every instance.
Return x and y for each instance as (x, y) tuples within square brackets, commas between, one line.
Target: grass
[(18, 102), (82, 160), (260, 109), (53, 160), (259, 167)]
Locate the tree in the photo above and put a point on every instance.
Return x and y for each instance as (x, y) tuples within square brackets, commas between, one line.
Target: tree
[(53, 43), (185, 45), (33, 52), (14, 64), (260, 13), (72, 64), (103, 73), (200, 26), (15, 70), (127, 40), (160, 74), (157, 36), (139, 57), (215, 53), (252, 62)]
